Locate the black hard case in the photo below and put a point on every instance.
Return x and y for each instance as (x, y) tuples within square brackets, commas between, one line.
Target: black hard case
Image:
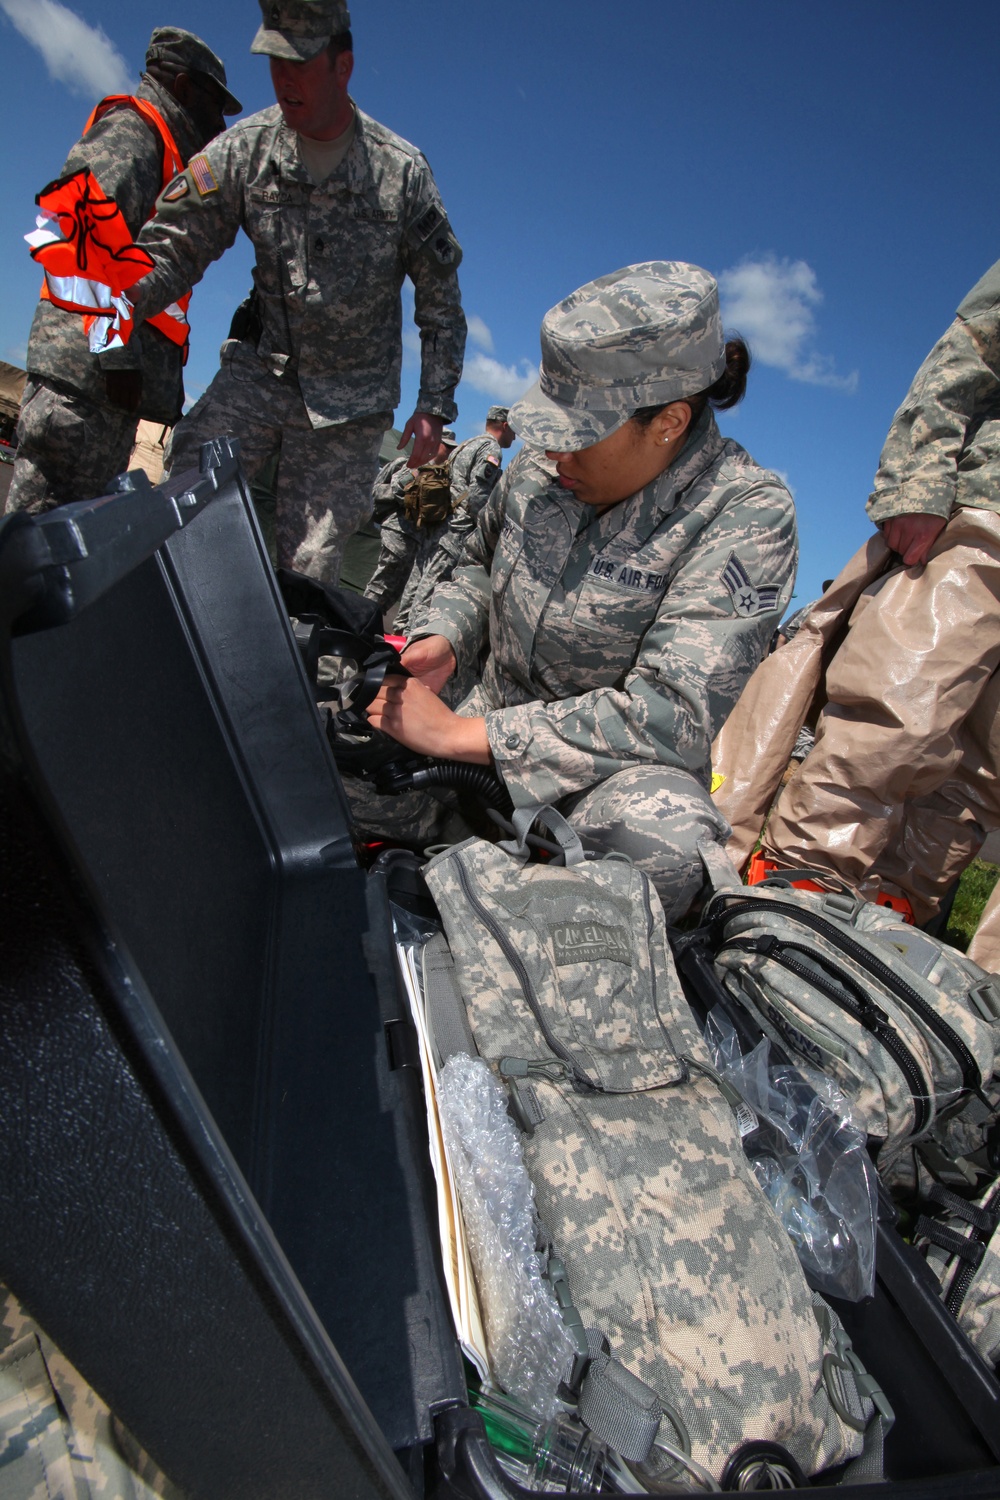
[(216, 1192)]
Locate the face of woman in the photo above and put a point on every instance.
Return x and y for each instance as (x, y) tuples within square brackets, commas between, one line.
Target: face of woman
[(624, 463)]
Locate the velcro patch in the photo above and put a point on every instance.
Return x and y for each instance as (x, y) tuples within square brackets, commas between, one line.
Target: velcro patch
[(587, 942), (427, 223), (747, 599), (202, 176), (176, 190), (444, 249), (491, 460)]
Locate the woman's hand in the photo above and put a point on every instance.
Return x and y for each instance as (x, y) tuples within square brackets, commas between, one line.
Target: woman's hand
[(431, 661), (414, 715)]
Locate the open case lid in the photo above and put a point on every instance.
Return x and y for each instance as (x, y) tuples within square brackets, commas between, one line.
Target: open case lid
[(199, 1098)]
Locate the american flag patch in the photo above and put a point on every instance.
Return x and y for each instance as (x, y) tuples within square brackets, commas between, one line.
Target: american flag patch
[(747, 600), (201, 175)]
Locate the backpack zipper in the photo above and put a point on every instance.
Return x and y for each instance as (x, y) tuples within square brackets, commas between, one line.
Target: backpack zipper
[(972, 1078), (865, 1012)]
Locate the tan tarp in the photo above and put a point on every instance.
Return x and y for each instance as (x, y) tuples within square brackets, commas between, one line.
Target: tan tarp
[(11, 388), (756, 742)]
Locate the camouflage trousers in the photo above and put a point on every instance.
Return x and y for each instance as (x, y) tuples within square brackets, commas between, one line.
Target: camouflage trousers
[(404, 551), (58, 1440), (325, 474), (903, 784), (654, 814), (68, 448), (437, 568)]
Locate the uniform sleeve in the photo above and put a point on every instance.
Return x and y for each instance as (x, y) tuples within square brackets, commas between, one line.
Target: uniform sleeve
[(483, 476), (957, 382), (124, 155), (461, 607), (197, 217), (711, 631), (431, 259)]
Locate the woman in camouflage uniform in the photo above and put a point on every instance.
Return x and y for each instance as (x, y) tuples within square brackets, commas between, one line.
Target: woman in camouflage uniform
[(623, 581)]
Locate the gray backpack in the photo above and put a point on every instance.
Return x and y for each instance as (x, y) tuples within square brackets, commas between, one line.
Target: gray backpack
[(702, 1335), (907, 1026)]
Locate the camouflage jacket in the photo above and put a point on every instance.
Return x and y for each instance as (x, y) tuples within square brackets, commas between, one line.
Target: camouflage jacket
[(943, 447), (475, 469), (330, 261), (387, 491), (127, 160), (624, 638)]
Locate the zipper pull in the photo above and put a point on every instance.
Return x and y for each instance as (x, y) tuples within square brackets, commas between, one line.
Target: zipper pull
[(522, 1067), (746, 1118)]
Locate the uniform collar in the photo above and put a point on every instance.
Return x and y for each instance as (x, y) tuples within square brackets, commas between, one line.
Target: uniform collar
[(702, 448), (178, 120), (354, 172)]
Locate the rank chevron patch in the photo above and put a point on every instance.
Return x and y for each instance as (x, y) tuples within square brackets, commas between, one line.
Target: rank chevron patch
[(747, 600)]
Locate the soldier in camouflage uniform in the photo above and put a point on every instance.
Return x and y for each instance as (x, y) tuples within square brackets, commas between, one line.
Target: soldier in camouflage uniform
[(400, 539), (339, 210), (902, 786), (58, 1440), (79, 414), (475, 470), (413, 560), (623, 596)]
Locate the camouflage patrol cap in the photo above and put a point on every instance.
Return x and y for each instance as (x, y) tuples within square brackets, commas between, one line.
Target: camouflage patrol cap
[(179, 51), (498, 414), (643, 336), (448, 438), (298, 30)]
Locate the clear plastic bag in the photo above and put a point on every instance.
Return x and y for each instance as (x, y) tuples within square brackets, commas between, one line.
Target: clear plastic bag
[(808, 1152), (531, 1350)]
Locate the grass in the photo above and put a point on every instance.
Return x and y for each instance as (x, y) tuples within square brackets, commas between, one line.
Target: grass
[(974, 891)]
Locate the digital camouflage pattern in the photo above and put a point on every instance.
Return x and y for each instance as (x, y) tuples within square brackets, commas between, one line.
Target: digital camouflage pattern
[(330, 261), (58, 1440), (943, 448), (75, 440), (387, 491), (475, 469), (299, 29), (672, 1252), (68, 447), (643, 336), (620, 640), (409, 551), (901, 1078), (324, 473)]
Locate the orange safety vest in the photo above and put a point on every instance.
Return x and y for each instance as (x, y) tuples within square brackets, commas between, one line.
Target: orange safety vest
[(173, 320)]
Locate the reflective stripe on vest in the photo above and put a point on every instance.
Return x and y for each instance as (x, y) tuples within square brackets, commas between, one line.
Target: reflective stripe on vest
[(87, 297)]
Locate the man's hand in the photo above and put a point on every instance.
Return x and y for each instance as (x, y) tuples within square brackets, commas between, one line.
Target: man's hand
[(124, 388), (408, 711), (431, 661), (913, 536), (426, 434)]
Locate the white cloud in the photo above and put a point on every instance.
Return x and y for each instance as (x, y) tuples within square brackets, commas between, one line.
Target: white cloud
[(503, 382), (81, 56), (479, 333), (771, 303)]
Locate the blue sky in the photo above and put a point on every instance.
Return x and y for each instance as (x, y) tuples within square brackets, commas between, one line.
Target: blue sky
[(832, 161)]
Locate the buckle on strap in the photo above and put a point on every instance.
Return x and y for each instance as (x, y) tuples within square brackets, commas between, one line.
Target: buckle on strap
[(842, 1365)]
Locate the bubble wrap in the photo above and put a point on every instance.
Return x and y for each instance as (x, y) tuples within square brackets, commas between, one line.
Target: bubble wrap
[(530, 1349)]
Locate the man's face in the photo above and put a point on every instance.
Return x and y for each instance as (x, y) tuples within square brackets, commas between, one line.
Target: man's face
[(313, 94), (507, 435)]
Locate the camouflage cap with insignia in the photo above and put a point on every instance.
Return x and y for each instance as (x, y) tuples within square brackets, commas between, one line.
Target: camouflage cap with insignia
[(643, 336), (179, 51), (298, 30), (448, 438), (498, 414)]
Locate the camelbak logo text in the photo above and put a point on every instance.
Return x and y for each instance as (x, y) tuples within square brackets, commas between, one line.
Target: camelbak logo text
[(585, 942), (796, 1038)]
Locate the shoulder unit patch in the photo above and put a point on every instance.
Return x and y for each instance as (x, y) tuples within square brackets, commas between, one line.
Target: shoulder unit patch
[(202, 176), (176, 190), (747, 599)]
